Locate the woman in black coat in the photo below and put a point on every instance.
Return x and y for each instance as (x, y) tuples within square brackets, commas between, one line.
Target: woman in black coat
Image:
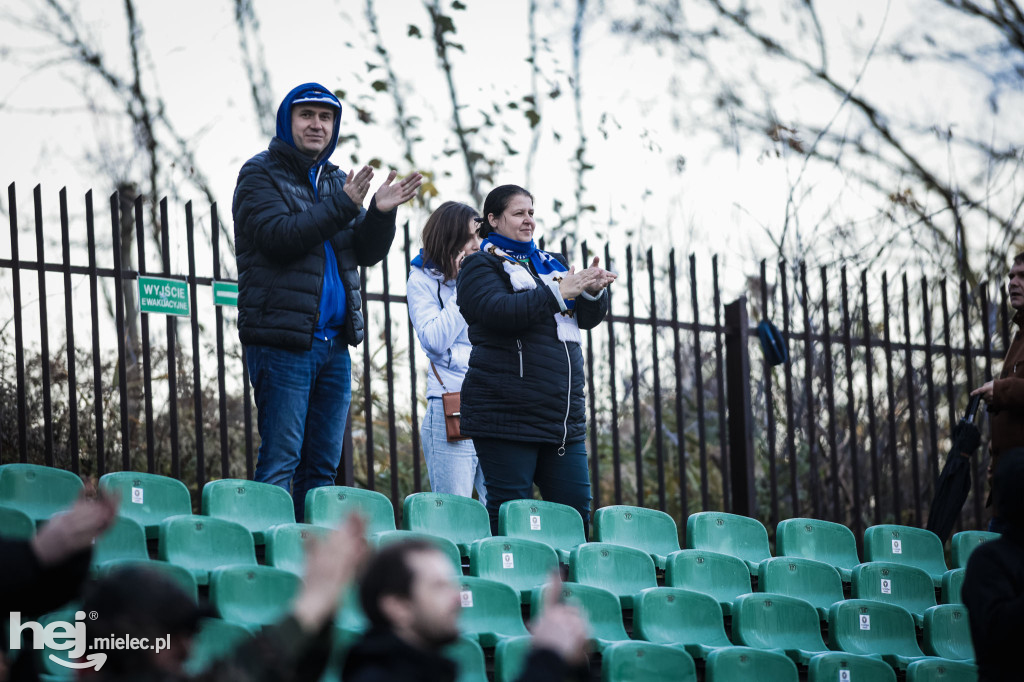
[(523, 396)]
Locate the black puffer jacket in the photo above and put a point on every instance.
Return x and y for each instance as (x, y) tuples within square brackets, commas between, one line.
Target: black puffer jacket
[(280, 228), (523, 383)]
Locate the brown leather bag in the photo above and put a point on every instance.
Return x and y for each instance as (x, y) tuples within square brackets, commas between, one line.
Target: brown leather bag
[(451, 403)]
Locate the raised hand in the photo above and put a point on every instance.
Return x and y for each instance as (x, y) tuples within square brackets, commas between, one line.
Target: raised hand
[(592, 280), (331, 565), (560, 627), (389, 195), (356, 186)]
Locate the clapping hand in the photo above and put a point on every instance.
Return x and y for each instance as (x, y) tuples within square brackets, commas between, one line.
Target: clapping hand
[(357, 185), (391, 195), (593, 280)]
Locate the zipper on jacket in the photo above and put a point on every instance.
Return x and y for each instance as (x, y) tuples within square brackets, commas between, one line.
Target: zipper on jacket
[(520, 344), (568, 402)]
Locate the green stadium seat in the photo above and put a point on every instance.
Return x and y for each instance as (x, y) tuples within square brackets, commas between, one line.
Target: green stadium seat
[(257, 506), (49, 669), (952, 584), (216, 640), (721, 576), (147, 498), (831, 543), (252, 596), (738, 536), (509, 656), (629, 661), (866, 627), (941, 670), (15, 524), (469, 657), (490, 610), (909, 546), (650, 530), (449, 548), (38, 491), (286, 545), (813, 581), (678, 617), (519, 563), (600, 607), (558, 525), (125, 539), (967, 541), (744, 664), (329, 505), (840, 666), (898, 584), (947, 633), (776, 621), (350, 619), (623, 571), (203, 543), (460, 519), (180, 575)]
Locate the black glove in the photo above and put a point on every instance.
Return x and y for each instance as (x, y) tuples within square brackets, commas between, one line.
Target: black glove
[(966, 438)]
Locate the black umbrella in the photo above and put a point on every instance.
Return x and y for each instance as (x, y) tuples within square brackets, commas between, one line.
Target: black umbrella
[(955, 480)]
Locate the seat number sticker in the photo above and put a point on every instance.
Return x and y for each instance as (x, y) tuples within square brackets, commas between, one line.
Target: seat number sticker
[(897, 547), (136, 495), (534, 522), (467, 599), (506, 560), (865, 622), (886, 586), (844, 676)]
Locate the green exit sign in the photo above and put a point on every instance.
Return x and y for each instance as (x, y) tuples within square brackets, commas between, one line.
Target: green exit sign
[(163, 296), (225, 293)]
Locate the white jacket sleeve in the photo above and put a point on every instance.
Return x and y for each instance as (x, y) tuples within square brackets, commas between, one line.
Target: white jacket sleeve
[(437, 328)]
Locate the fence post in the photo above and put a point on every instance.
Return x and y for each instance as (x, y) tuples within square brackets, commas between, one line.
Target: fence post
[(741, 417)]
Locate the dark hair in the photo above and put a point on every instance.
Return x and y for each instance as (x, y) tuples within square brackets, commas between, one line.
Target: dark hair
[(496, 203), (389, 572), (1018, 259), (445, 234)]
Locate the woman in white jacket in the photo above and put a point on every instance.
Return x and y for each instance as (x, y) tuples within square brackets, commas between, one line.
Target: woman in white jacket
[(449, 236)]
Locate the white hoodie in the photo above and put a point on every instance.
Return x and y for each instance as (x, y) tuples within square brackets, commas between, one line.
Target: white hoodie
[(440, 327)]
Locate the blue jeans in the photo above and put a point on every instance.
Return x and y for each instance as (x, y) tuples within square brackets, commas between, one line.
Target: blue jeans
[(512, 467), (302, 398), (452, 467)]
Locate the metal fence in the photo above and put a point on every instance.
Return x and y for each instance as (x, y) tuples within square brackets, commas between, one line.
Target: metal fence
[(685, 414)]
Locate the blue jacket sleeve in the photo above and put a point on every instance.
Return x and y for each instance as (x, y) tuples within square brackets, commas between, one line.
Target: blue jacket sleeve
[(484, 297)]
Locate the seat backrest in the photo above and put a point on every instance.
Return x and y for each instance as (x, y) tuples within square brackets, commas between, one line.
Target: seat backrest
[(722, 576), (744, 664), (509, 656), (557, 525), (216, 639), (623, 571), (813, 581), (38, 491), (907, 586), (671, 615), (776, 621), (147, 498), (449, 548), (906, 545), (489, 608), (468, 658), (252, 595), (947, 632), (286, 545), (650, 530), (832, 543), (965, 542), (460, 519), (15, 524), (180, 575), (519, 563), (204, 543), (329, 505), (941, 670), (601, 608), (125, 539), (738, 536), (863, 626), (841, 666), (257, 506), (628, 661), (952, 584)]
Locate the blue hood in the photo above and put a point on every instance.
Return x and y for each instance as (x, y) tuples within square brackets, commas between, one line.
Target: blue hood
[(308, 92)]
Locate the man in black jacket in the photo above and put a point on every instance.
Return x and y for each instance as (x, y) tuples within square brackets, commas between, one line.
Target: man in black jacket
[(301, 235)]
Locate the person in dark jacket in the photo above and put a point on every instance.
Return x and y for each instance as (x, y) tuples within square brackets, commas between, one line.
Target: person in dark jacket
[(523, 396), (301, 235), (993, 589), (412, 600)]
